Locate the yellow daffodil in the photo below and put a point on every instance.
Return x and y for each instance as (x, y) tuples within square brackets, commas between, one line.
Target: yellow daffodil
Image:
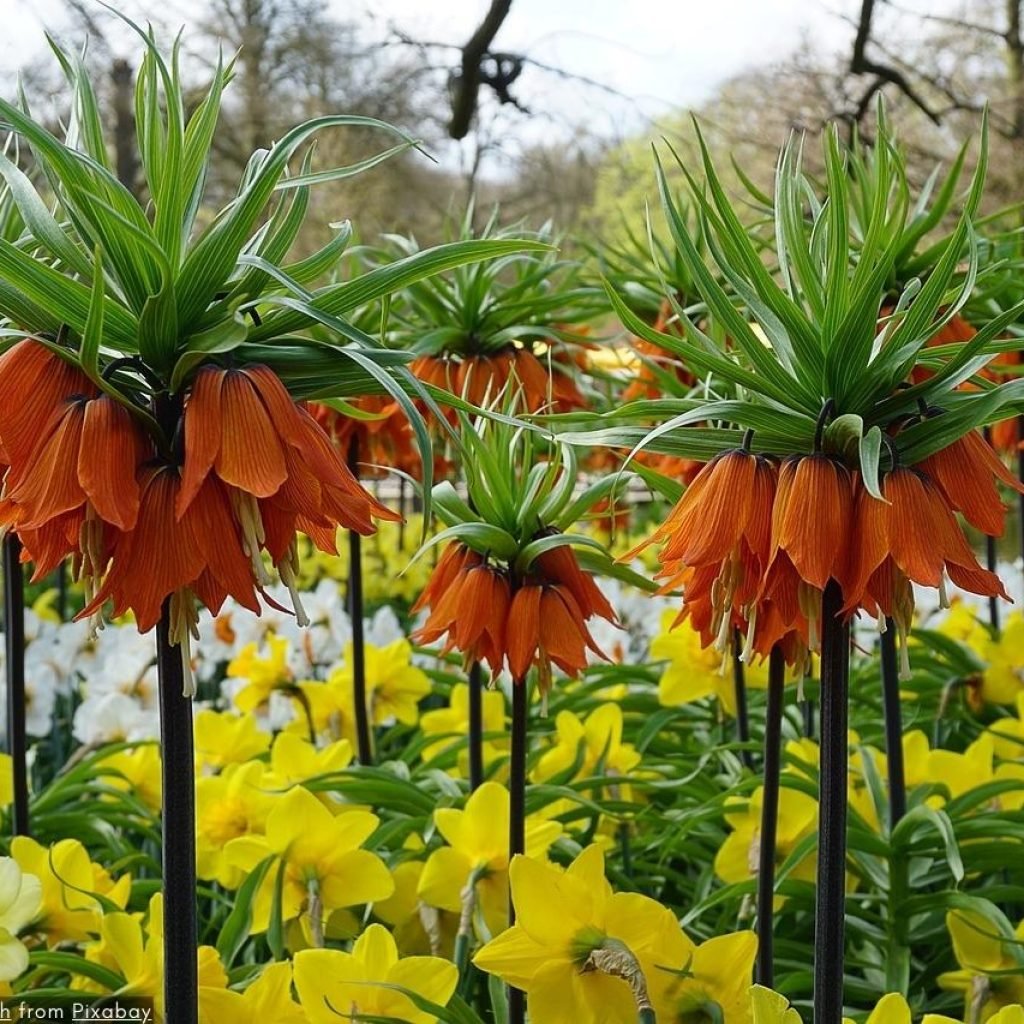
[(894, 1009), (1007, 1015), (136, 770), (1008, 734), (890, 1009), (394, 686), (1014, 799), (333, 985), (565, 920), (322, 867), (268, 998), (477, 854), (294, 760), (418, 928), (991, 972), (452, 723), (133, 949), (737, 858), (1002, 679), (960, 773), (235, 803), (695, 672), (597, 739), (224, 738), (712, 983), (6, 780), (67, 911), (21, 896), (768, 1007), (264, 670)]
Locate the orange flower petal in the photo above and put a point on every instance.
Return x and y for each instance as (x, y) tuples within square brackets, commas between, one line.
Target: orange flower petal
[(523, 630), (202, 433), (113, 446), (250, 456)]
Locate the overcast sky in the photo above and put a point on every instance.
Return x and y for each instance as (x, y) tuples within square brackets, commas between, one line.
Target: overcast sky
[(659, 54)]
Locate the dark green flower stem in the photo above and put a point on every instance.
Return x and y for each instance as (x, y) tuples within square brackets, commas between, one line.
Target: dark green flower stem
[(476, 726), (364, 742), (181, 992), (893, 726), (1020, 497), (517, 814), (991, 560), (897, 961), (770, 817), (830, 917), (14, 638)]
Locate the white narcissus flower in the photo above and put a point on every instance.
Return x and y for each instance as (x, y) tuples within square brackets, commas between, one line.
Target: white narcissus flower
[(21, 896), (114, 718)]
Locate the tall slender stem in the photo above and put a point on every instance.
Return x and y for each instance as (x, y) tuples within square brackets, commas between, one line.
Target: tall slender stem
[(1020, 497), (364, 743), (181, 992), (807, 713), (740, 689), (991, 559), (517, 814), (830, 922), (476, 726), (14, 635), (991, 563), (893, 726), (770, 817)]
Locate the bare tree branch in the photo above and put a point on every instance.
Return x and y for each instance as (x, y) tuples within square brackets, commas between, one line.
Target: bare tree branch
[(862, 64), (466, 87)]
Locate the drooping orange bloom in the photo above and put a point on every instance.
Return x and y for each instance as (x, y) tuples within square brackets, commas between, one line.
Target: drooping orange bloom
[(378, 443), (911, 537), (279, 468), (480, 378), (469, 601), (717, 542), (811, 524), (197, 554), (957, 331), (966, 472), (167, 553), (538, 620), (76, 453)]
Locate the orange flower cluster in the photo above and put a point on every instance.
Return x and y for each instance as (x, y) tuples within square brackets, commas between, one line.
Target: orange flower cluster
[(382, 441), (480, 378), (490, 615), (754, 542), (86, 480)]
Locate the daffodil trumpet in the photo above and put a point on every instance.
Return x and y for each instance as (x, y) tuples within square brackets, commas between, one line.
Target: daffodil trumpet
[(178, 836), (830, 910), (770, 816), (14, 639)]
